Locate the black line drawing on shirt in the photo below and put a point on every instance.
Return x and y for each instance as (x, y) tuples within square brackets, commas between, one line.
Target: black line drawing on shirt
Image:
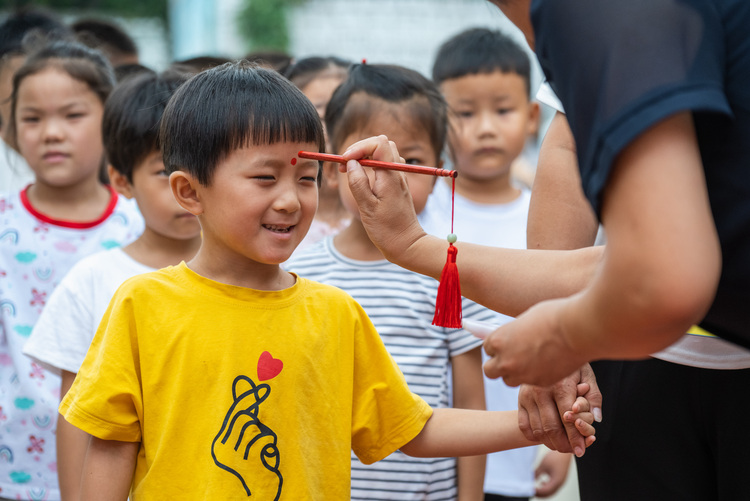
[(244, 438)]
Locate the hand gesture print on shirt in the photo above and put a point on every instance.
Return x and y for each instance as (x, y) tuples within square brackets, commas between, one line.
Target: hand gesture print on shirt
[(244, 439)]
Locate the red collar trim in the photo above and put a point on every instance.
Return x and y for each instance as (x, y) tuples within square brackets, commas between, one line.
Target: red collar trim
[(77, 225)]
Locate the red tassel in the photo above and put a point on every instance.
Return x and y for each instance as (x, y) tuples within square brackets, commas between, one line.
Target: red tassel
[(448, 304)]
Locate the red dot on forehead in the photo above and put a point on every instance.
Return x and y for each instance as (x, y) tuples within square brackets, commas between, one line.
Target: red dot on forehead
[(294, 161)]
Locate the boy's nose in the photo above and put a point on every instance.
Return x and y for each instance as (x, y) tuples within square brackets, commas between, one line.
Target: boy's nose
[(287, 200), (487, 123)]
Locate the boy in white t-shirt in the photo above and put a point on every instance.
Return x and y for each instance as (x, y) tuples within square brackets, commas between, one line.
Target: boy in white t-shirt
[(61, 337), (485, 78)]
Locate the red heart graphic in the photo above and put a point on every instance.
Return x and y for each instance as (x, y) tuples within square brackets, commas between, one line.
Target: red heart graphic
[(268, 367)]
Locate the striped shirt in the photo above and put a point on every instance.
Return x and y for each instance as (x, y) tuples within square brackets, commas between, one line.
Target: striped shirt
[(401, 305)]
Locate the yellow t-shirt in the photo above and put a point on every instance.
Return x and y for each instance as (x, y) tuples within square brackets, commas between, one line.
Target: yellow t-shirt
[(235, 392)]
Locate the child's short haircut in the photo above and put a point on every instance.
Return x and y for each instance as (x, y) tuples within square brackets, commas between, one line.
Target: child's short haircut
[(480, 50), (304, 71), (229, 107), (130, 124), (421, 98), (25, 21), (200, 63), (106, 36)]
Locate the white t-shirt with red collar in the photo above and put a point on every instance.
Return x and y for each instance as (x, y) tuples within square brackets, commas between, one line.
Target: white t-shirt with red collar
[(36, 251)]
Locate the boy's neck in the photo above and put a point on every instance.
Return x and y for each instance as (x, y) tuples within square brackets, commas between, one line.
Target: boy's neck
[(354, 243), (494, 191), (80, 203), (157, 251), (241, 272)]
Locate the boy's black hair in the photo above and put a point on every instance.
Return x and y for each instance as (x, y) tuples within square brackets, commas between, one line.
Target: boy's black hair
[(481, 50), (305, 70), (229, 107), (274, 59), (130, 124), (17, 25), (200, 63), (77, 60), (106, 36), (125, 71), (394, 84)]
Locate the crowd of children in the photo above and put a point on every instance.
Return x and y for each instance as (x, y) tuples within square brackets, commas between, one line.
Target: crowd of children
[(190, 311)]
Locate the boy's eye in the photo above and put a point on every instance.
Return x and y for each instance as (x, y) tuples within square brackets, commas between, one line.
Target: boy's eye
[(163, 172), (465, 114), (73, 116), (29, 120), (503, 111), (309, 178), (264, 178), (413, 161)]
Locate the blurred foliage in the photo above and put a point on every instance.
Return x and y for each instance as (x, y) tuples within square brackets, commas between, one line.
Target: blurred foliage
[(263, 24), (124, 8)]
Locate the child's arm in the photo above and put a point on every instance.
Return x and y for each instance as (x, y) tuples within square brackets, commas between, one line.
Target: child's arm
[(108, 469), (468, 393), (462, 432), (71, 449)]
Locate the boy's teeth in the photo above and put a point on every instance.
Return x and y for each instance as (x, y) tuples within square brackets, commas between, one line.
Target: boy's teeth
[(281, 229)]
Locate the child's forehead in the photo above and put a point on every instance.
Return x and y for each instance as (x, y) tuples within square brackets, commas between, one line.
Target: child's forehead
[(375, 109), (475, 85), (479, 78), (280, 153)]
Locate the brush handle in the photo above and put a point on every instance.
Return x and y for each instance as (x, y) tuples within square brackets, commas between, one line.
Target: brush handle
[(478, 328), (419, 169)]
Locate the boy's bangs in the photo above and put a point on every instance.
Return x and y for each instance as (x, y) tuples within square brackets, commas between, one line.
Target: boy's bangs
[(271, 121), (231, 107)]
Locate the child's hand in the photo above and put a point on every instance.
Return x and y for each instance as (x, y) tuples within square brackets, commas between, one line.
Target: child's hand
[(581, 416)]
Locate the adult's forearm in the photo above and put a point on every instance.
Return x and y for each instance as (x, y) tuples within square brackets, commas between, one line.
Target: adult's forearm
[(506, 280), (663, 260)]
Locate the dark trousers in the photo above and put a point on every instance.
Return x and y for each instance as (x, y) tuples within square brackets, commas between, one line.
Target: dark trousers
[(669, 432), (500, 497)]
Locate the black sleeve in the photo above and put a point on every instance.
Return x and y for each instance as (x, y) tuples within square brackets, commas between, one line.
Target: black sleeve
[(619, 67)]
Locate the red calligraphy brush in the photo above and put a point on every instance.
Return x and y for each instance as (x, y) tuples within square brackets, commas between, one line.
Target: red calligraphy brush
[(419, 169), (448, 303)]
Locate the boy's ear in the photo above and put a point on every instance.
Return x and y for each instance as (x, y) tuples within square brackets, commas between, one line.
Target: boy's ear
[(184, 188), (534, 116), (119, 182)]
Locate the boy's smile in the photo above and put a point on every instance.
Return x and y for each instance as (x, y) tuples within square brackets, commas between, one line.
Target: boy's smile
[(256, 210)]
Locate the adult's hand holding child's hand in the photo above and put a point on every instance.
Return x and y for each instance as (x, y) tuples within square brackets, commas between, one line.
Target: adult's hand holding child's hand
[(541, 410)]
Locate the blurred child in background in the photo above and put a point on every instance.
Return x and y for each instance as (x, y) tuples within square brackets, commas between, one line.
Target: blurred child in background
[(62, 335), (14, 172), (66, 214)]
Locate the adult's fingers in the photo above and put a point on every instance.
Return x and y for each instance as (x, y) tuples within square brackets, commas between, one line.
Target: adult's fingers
[(541, 420)]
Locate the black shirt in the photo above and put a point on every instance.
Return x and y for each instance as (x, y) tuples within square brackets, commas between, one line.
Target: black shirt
[(620, 67)]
